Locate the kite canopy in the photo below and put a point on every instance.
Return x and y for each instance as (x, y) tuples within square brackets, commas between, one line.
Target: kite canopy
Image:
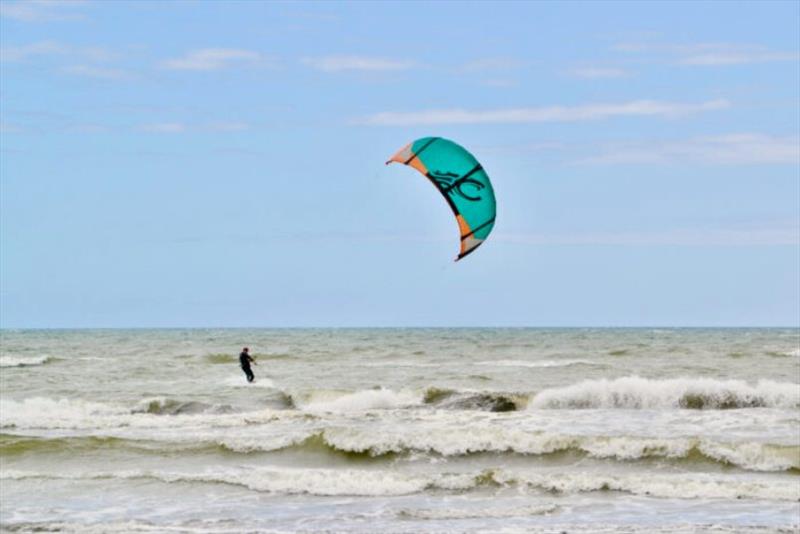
[(462, 182)]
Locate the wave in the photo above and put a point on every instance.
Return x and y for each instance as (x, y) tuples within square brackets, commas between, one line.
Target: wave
[(12, 445), (452, 399), (477, 513), (24, 361), (78, 414), (241, 382), (221, 358), (539, 363), (164, 406), (363, 482), (445, 442), (357, 401), (694, 393), (438, 433), (791, 353)]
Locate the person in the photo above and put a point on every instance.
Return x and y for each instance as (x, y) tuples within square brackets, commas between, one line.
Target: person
[(244, 361)]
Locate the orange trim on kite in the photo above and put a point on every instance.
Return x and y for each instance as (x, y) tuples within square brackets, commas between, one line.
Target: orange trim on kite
[(402, 155), (417, 164), (463, 227)]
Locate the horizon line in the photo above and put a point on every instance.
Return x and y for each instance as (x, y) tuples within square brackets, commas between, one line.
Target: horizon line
[(407, 327)]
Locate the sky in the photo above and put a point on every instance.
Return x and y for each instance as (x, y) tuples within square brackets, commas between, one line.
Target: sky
[(221, 164)]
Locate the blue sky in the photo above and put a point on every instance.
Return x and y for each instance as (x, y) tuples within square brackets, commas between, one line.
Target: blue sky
[(208, 163)]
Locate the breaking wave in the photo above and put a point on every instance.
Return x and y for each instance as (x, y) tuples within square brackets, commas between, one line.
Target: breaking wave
[(357, 401), (477, 513), (164, 406), (539, 363), (363, 482), (24, 361), (445, 442), (693, 393), (466, 400)]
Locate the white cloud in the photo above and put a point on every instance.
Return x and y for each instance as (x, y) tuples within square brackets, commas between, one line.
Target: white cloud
[(180, 127), (41, 10), (737, 58), (357, 63), (493, 64), (598, 72), (541, 114), (42, 48), (97, 72), (228, 126), (165, 127), (731, 149), (53, 48), (499, 82), (710, 54), (211, 59)]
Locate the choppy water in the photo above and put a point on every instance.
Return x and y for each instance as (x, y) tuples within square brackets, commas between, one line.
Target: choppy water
[(401, 430)]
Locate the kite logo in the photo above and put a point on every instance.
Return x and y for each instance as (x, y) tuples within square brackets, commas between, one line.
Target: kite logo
[(450, 183)]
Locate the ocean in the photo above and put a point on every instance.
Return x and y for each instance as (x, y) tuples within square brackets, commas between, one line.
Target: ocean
[(400, 430)]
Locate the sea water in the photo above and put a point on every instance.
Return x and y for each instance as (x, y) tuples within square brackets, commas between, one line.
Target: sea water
[(401, 430)]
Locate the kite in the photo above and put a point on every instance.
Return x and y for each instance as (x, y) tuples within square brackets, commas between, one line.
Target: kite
[(461, 180)]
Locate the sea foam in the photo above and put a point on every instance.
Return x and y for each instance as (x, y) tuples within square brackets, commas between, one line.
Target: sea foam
[(23, 361), (362, 482), (700, 393), (357, 401)]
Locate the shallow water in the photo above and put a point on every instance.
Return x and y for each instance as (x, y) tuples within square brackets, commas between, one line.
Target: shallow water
[(401, 430)]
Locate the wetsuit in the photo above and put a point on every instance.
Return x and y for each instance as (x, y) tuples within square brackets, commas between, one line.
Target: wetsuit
[(244, 361)]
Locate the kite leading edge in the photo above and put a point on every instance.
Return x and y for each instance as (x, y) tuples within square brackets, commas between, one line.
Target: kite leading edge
[(461, 180)]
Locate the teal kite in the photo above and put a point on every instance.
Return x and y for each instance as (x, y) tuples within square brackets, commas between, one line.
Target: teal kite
[(462, 182)]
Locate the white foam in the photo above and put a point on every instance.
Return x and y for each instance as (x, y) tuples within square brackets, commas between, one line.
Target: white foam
[(478, 513), (23, 361), (359, 401), (454, 441), (636, 392), (536, 364), (51, 413), (673, 486), (75, 414), (363, 482), (241, 381)]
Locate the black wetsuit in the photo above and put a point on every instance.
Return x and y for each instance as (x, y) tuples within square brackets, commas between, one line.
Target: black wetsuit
[(244, 361)]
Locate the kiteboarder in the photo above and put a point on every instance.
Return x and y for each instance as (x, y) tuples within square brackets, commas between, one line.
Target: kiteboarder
[(244, 361)]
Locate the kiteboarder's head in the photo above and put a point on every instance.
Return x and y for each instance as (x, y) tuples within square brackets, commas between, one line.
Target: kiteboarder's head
[(245, 349)]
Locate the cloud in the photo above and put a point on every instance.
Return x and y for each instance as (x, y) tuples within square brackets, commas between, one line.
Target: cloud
[(227, 126), (493, 64), (53, 48), (499, 82), (598, 72), (42, 48), (164, 127), (641, 108), (41, 10), (97, 72), (207, 59), (710, 54), (180, 127), (737, 58), (731, 149), (357, 63)]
